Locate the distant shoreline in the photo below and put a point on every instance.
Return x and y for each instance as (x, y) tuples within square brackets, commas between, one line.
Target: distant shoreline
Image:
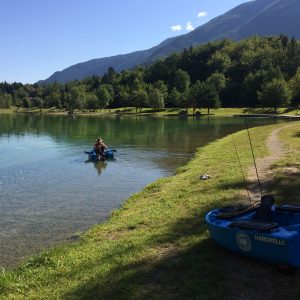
[(165, 112)]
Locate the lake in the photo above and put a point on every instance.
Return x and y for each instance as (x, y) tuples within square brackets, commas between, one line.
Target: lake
[(49, 192)]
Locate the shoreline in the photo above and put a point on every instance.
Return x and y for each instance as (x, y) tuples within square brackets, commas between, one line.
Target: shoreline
[(290, 117), (166, 112), (160, 224)]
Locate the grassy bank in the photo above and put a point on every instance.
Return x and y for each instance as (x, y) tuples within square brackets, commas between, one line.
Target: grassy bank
[(150, 112), (7, 110), (157, 246)]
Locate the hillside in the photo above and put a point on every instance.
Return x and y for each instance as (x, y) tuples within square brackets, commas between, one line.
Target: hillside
[(260, 17)]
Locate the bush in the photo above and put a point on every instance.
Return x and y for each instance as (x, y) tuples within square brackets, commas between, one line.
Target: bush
[(197, 114), (182, 113)]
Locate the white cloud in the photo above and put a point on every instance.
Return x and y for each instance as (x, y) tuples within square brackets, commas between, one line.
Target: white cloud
[(176, 28), (189, 26), (202, 14)]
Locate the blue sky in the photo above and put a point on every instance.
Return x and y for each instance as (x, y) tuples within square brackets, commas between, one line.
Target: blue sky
[(39, 37)]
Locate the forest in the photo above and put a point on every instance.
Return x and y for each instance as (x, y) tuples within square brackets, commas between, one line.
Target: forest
[(256, 72)]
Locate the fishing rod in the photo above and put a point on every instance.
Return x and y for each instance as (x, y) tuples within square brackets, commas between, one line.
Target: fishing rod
[(237, 154), (259, 183)]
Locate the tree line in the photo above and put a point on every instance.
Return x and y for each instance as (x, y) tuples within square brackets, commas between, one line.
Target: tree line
[(256, 72)]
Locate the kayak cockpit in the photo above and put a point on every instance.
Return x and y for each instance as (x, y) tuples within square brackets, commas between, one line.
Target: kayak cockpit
[(107, 154)]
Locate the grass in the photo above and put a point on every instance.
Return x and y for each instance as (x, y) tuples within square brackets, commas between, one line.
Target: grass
[(175, 111), (7, 110), (156, 246), (32, 110), (222, 112), (287, 177)]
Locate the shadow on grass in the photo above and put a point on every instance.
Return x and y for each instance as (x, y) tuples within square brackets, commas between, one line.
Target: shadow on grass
[(237, 185), (181, 275), (286, 188), (172, 110), (150, 111), (186, 263), (173, 274), (297, 135), (198, 270)]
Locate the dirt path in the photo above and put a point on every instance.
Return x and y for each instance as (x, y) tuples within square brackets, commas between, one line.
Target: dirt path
[(264, 165), (254, 280)]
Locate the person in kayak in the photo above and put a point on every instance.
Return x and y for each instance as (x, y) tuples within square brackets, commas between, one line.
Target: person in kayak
[(103, 147), (100, 148)]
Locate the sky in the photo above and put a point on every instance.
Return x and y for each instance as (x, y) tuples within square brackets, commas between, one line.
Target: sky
[(39, 37)]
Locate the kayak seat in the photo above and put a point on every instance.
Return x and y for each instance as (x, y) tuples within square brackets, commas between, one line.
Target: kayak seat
[(264, 211), (257, 225), (228, 212), (288, 208)]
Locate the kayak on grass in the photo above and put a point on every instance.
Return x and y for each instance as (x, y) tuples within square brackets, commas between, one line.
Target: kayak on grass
[(263, 231)]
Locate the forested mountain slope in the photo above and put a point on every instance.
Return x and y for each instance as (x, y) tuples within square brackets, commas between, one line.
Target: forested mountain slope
[(260, 17)]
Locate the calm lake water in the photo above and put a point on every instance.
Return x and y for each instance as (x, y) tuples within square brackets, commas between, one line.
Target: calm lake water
[(49, 192)]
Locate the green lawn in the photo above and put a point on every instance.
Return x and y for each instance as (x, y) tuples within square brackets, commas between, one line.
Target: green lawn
[(159, 112), (156, 246), (7, 110), (214, 112)]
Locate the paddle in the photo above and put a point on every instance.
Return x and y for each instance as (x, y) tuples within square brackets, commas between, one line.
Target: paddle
[(89, 152)]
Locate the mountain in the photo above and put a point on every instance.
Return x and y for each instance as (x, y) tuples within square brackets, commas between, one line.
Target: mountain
[(259, 17)]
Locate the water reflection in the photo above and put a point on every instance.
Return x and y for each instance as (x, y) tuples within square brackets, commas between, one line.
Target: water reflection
[(139, 131), (100, 166)]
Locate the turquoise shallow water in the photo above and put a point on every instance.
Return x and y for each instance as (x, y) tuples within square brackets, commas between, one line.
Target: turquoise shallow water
[(49, 192)]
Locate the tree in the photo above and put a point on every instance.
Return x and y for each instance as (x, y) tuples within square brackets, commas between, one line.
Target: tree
[(184, 100), (121, 96), (275, 93), (21, 95), (92, 101), (26, 103), (139, 99), (292, 57), (219, 62), (182, 81), (160, 85), (109, 76), (53, 99), (217, 80), (110, 89), (210, 97), (196, 95), (173, 98), (76, 97), (5, 100), (252, 83), (294, 85), (37, 102), (182, 84), (156, 98), (137, 84), (104, 96)]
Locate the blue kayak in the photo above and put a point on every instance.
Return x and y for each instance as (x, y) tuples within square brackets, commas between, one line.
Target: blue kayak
[(266, 232), (108, 154)]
